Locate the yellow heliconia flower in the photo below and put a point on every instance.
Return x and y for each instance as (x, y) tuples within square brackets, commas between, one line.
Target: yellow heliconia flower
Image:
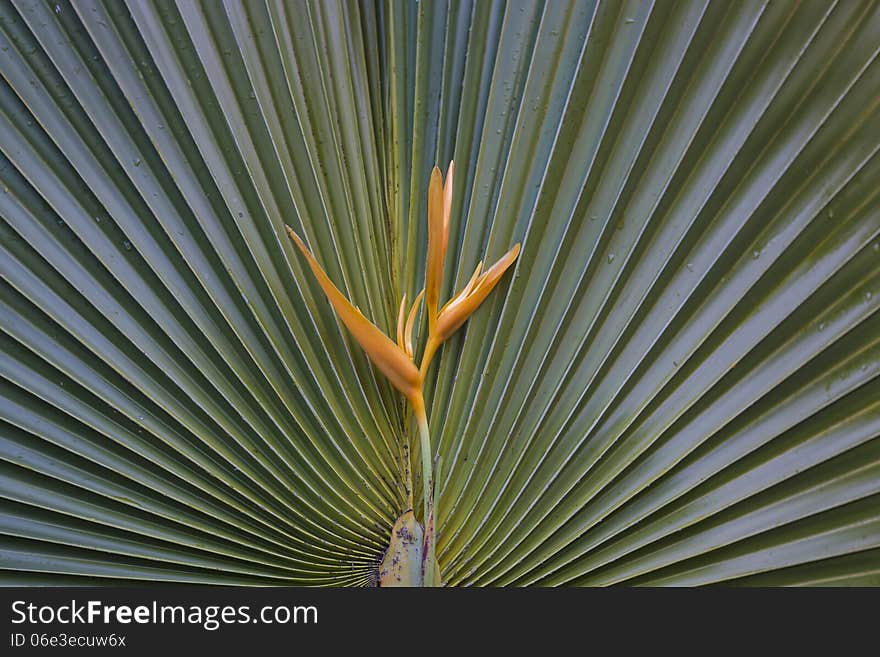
[(392, 360), (396, 361), (444, 322)]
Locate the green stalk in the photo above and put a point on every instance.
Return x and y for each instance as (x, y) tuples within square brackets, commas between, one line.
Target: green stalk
[(430, 553), (406, 457), (436, 515)]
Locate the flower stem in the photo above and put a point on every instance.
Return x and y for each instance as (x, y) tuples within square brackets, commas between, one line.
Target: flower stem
[(430, 349), (406, 458), (430, 551)]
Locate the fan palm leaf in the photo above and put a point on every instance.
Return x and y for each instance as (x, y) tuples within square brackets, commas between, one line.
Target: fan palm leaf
[(677, 384)]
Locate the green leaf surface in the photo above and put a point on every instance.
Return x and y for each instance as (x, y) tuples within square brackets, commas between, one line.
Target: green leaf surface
[(677, 383)]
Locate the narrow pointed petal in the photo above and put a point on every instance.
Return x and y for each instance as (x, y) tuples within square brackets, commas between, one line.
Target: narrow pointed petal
[(410, 322), (401, 318), (466, 290), (436, 246), (391, 360), (457, 312), (474, 278), (447, 204), (491, 276)]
